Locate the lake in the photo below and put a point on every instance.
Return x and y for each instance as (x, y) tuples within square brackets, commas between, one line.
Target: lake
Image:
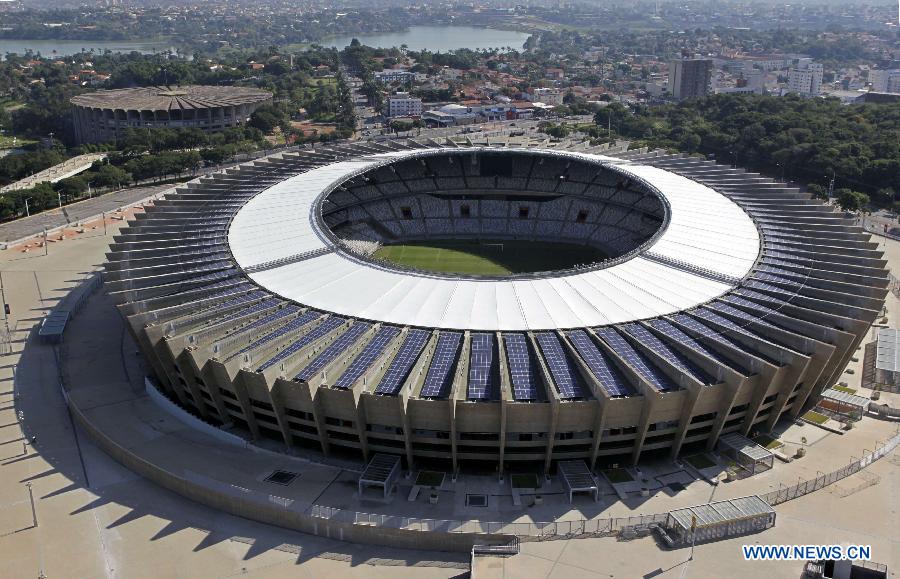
[(69, 47), (437, 38)]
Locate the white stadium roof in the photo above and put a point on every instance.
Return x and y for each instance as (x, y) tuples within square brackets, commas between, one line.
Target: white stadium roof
[(709, 245)]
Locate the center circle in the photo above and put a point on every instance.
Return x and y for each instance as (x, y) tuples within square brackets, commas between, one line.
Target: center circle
[(492, 214)]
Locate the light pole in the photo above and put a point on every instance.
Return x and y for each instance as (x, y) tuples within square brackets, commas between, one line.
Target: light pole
[(59, 198), (27, 210)]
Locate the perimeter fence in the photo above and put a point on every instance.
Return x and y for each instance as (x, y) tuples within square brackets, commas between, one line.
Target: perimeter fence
[(802, 488)]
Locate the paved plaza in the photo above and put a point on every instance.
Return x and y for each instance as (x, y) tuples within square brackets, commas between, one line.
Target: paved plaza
[(98, 519)]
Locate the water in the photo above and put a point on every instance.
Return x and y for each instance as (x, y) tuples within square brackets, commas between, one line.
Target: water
[(437, 38), (70, 47)]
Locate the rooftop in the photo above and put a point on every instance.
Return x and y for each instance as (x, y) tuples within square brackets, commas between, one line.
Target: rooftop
[(165, 98)]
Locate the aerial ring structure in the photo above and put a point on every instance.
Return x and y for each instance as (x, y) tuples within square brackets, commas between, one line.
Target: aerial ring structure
[(724, 301)]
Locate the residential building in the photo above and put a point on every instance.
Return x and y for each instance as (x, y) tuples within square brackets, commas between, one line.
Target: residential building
[(805, 78), (404, 105), (389, 76), (548, 96), (690, 77), (885, 80)]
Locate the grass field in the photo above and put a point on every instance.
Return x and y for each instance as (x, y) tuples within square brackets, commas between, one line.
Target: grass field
[(488, 257), (815, 417)]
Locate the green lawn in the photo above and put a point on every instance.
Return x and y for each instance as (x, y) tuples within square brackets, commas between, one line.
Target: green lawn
[(700, 461), (618, 475), (768, 442), (430, 478), (524, 481), (6, 142), (844, 389), (488, 257), (815, 417)]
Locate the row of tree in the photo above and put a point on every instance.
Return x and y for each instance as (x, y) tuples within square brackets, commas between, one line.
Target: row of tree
[(806, 140)]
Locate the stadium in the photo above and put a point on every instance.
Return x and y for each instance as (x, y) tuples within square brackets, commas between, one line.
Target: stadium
[(104, 115), (493, 308)]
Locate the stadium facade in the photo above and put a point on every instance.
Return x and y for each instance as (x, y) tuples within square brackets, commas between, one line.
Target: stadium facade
[(727, 301), (105, 115)]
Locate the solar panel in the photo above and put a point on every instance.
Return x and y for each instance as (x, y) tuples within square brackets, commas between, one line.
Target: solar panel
[(521, 367), (267, 319), (482, 368), (741, 314), (603, 369), (712, 316), (568, 382), (674, 333), (705, 330), (674, 357), (367, 357), (294, 324), (399, 369), (314, 334), (343, 342), (438, 378), (636, 360)]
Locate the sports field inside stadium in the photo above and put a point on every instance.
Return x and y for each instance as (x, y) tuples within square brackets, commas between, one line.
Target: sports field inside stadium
[(487, 257)]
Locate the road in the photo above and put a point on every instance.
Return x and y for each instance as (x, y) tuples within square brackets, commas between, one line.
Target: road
[(28, 226)]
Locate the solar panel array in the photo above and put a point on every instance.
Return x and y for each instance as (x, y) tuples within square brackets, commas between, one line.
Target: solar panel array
[(674, 357), (741, 314), (331, 352), (440, 372), (674, 333), (367, 357), (482, 368), (314, 334), (521, 367), (600, 365), (295, 324), (399, 369), (636, 360), (743, 329), (566, 377)]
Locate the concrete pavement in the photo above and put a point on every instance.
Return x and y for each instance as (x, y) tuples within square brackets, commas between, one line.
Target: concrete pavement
[(98, 519)]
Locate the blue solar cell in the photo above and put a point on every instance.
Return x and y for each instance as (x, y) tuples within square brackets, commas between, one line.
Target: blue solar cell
[(521, 367), (649, 339), (292, 325), (565, 376), (403, 362), (367, 357), (674, 333), (603, 369), (440, 372), (313, 335), (482, 368), (331, 352), (636, 360), (284, 312), (738, 313)]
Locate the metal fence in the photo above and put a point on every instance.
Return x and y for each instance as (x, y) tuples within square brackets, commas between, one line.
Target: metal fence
[(525, 530), (802, 488), (582, 527)]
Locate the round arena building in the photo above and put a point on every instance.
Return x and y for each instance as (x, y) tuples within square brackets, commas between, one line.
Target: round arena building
[(104, 115), (491, 308)]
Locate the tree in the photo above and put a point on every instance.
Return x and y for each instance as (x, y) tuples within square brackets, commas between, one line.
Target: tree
[(850, 200), (110, 176), (817, 191), (73, 186), (265, 118)]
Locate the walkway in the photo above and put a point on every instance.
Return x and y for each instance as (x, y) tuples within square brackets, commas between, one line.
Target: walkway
[(67, 168)]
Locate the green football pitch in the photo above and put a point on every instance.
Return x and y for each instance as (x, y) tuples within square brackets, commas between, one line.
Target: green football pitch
[(488, 257)]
